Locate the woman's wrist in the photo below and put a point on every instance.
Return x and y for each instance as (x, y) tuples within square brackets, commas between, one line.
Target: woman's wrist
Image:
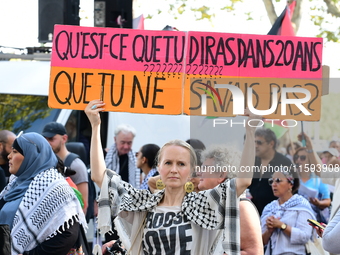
[(251, 129), (283, 226)]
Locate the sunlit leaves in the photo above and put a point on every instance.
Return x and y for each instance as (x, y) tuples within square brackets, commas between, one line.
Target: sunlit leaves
[(181, 9), (21, 111), (204, 12), (325, 14)]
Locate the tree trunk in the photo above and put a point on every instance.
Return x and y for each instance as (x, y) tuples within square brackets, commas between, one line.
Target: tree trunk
[(269, 5), (332, 8)]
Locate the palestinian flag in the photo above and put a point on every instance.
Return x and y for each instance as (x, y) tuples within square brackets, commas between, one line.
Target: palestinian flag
[(276, 126), (283, 24)]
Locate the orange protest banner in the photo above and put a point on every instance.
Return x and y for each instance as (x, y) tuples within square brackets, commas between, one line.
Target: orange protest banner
[(172, 72), (222, 102), (126, 91)]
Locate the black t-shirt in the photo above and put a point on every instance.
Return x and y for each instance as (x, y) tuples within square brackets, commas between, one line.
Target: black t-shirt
[(124, 167), (61, 243), (5, 168), (2, 179), (260, 190)]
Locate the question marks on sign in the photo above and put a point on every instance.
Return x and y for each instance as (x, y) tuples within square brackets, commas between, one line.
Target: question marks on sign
[(146, 68)]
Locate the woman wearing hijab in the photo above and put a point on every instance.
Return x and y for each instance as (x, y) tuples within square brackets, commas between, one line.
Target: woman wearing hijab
[(38, 205)]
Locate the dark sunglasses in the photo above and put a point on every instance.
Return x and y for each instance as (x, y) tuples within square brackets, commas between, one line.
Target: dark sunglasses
[(258, 142), (302, 157), (276, 180)]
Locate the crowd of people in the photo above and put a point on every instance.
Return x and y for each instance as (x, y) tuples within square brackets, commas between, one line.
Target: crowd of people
[(174, 199)]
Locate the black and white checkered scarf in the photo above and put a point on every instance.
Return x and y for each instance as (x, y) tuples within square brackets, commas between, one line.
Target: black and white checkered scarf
[(211, 209), (144, 184), (112, 162), (295, 203), (48, 204)]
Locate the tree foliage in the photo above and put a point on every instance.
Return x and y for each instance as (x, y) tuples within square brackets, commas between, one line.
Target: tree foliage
[(323, 13), (19, 112)]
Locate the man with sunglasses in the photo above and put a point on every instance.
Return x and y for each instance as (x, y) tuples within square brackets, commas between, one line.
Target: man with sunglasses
[(6, 140), (267, 161)]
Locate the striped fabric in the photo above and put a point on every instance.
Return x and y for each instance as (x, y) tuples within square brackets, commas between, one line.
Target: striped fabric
[(48, 204), (112, 162), (215, 209)]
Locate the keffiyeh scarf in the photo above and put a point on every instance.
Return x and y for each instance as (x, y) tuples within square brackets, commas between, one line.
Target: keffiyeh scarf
[(144, 184), (48, 204), (296, 203), (112, 162), (38, 156), (211, 209)]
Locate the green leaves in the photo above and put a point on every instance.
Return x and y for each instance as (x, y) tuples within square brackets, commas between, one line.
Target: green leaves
[(322, 13), (204, 10), (21, 111)]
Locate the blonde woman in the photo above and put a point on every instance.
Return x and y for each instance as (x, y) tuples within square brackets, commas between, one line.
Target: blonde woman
[(172, 220)]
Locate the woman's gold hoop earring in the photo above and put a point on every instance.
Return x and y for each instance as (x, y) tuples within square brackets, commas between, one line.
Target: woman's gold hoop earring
[(160, 184), (189, 187)]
